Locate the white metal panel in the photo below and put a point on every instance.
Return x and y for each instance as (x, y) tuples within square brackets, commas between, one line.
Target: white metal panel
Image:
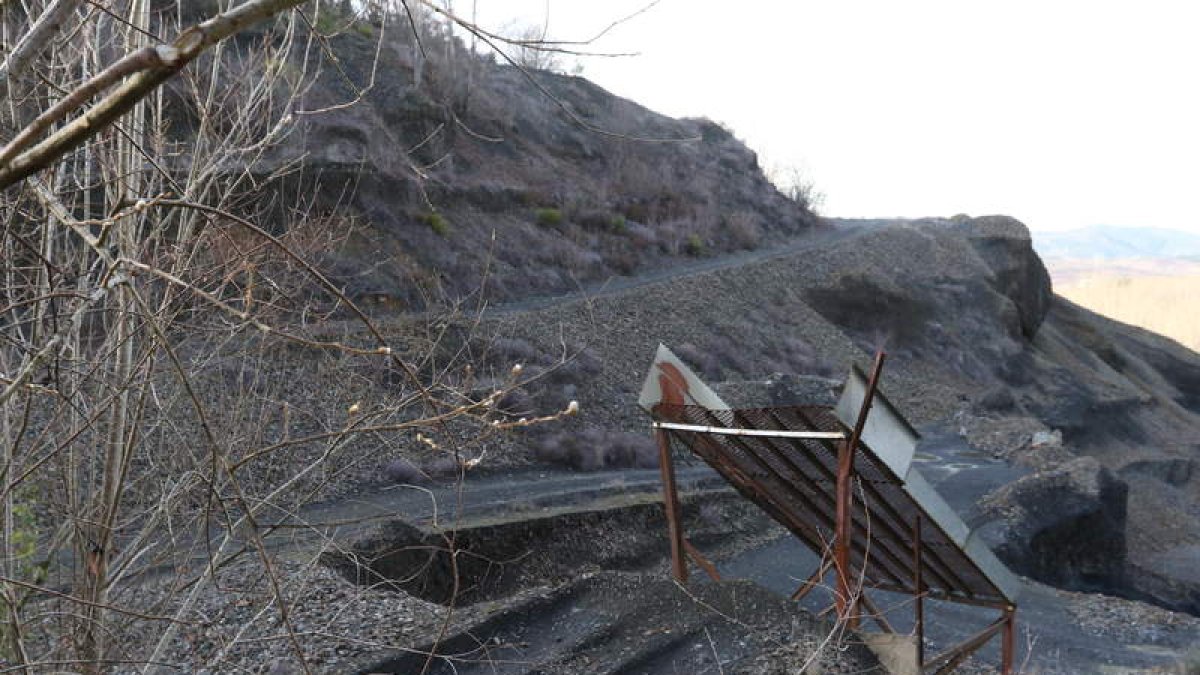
[(667, 367), (996, 572), (886, 432), (935, 507)]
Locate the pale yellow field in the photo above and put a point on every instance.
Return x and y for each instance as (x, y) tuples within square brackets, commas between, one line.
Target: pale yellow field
[(1169, 305)]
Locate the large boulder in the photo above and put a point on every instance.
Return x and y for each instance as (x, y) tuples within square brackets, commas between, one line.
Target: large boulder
[(1064, 527), (1005, 245)]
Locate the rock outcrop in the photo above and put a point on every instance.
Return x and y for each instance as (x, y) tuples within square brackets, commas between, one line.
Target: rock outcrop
[(1005, 245), (1064, 527)]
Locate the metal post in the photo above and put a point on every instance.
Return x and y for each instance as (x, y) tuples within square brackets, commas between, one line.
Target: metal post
[(671, 504), (1010, 625), (847, 611), (841, 550), (919, 598)]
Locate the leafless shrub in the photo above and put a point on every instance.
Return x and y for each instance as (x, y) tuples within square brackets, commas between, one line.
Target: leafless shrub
[(743, 228), (168, 390)]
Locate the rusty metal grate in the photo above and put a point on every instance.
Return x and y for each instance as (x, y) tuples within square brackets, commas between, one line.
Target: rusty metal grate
[(850, 493), (794, 481)]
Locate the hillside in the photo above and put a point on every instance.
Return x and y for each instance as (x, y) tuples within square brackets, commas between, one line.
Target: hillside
[(373, 409), (1086, 414), (517, 193), (483, 171)]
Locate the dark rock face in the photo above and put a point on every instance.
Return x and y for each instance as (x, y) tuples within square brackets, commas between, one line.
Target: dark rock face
[(1005, 245), (1064, 527)]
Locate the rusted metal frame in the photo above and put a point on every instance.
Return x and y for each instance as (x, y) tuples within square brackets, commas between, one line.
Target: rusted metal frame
[(829, 520), (948, 660), (935, 594), (1006, 646), (748, 431), (848, 612), (945, 575), (918, 594), (763, 499), (949, 569), (876, 615), (671, 504), (748, 450), (944, 571), (813, 580), (843, 538), (782, 514), (703, 562)]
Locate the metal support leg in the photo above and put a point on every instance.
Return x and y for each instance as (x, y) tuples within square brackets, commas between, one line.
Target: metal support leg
[(841, 545), (704, 563), (848, 606), (812, 580), (671, 504), (919, 598), (1010, 626), (876, 613)]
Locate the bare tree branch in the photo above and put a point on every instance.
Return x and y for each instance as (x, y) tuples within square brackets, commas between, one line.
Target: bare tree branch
[(35, 39), (156, 69)]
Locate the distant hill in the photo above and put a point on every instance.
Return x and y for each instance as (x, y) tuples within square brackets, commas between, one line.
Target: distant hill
[(1111, 242), (1129, 274)]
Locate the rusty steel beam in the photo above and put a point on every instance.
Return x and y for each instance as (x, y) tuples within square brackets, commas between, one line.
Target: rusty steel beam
[(671, 504), (812, 581), (703, 562), (934, 594), (842, 537), (919, 595), (943, 571), (948, 660), (786, 518), (830, 521), (1006, 650), (877, 615)]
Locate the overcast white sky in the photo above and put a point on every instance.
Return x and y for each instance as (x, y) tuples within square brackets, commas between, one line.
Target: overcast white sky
[(1062, 114)]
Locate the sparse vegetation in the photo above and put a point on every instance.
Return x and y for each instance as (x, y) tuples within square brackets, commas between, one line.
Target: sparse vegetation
[(744, 230), (548, 217), (797, 186), (436, 222), (694, 245)]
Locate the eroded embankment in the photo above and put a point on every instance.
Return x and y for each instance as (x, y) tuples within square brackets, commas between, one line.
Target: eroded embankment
[(496, 557), (588, 590)]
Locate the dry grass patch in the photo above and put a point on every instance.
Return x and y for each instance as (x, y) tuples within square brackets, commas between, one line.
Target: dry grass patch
[(1168, 305)]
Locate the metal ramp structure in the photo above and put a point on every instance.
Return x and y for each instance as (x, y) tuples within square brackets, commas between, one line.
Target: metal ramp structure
[(841, 480)]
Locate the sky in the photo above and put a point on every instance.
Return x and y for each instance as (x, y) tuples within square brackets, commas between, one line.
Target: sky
[(1063, 114)]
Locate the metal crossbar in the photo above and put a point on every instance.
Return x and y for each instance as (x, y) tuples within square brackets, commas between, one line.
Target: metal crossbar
[(764, 433)]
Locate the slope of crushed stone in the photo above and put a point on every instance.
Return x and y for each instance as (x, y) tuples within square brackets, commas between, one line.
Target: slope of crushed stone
[(612, 622)]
